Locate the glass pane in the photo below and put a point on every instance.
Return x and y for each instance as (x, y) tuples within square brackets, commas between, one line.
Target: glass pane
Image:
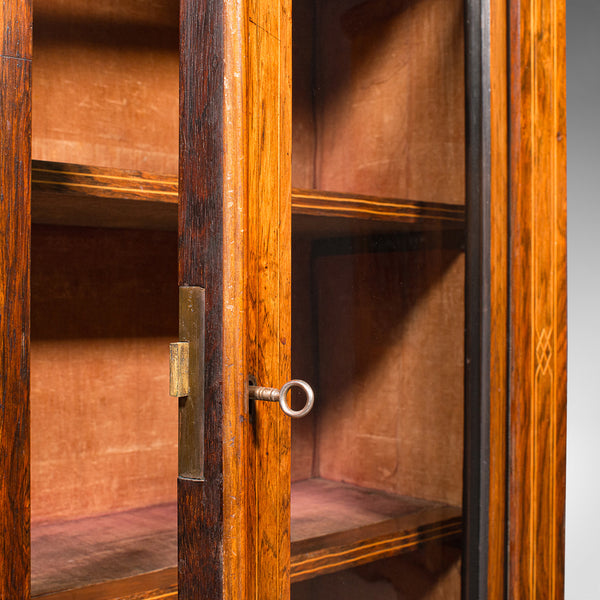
[(104, 294), (378, 298), (103, 427)]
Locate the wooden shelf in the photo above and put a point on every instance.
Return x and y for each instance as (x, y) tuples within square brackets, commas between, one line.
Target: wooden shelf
[(371, 208), (67, 194), (88, 552), (133, 554), (149, 586), (337, 526)]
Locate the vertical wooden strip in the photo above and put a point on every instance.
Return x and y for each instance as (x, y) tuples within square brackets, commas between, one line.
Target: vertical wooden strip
[(477, 301), (213, 515), (521, 427), (15, 32), (285, 288), (538, 326), (201, 144), (236, 424), (269, 44), (544, 311), (15, 183), (499, 297), (559, 137), (201, 222)]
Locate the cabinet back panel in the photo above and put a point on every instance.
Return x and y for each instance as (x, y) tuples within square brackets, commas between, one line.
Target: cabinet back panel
[(303, 356), (391, 352), (303, 106), (387, 93), (103, 427), (106, 83)]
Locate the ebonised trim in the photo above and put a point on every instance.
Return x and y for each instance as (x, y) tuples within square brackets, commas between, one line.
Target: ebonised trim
[(477, 298)]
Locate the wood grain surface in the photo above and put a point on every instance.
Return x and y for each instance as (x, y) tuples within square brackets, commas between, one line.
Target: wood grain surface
[(536, 478), (103, 182), (15, 33), (201, 263), (336, 526), (238, 560), (15, 176), (83, 195), (158, 585), (215, 521), (498, 300), (356, 206), (269, 286), (82, 552)]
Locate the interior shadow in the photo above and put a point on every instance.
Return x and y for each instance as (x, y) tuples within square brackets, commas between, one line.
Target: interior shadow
[(378, 324), (103, 283)]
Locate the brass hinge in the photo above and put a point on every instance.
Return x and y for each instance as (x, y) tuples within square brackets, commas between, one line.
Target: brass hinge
[(186, 381), (179, 369)]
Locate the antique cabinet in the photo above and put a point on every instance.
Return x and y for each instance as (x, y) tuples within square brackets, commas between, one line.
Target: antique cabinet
[(371, 197)]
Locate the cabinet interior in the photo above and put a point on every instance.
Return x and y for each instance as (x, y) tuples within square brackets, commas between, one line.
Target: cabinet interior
[(377, 298), (378, 161), (105, 83), (104, 291)]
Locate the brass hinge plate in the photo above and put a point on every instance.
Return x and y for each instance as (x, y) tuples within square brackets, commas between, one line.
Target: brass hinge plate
[(187, 381), (179, 369)]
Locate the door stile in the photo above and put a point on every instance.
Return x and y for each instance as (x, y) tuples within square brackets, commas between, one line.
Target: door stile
[(234, 241), (269, 288), (527, 283), (477, 300), (484, 559), (211, 513), (15, 231), (497, 512), (236, 420)]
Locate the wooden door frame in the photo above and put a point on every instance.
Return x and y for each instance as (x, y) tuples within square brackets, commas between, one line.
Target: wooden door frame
[(525, 82), (15, 187), (512, 35), (537, 369), (235, 219)]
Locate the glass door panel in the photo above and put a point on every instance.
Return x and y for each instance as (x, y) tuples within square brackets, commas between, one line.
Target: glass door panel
[(104, 295), (378, 299)]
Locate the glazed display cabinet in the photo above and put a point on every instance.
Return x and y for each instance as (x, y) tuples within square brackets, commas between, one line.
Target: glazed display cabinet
[(283, 299)]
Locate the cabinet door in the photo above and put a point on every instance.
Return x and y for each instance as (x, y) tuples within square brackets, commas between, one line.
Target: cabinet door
[(378, 298), (234, 242), (353, 280)]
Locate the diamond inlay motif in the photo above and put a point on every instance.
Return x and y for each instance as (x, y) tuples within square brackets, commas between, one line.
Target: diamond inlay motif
[(543, 351)]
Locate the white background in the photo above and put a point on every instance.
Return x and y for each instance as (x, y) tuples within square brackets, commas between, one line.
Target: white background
[(583, 413)]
